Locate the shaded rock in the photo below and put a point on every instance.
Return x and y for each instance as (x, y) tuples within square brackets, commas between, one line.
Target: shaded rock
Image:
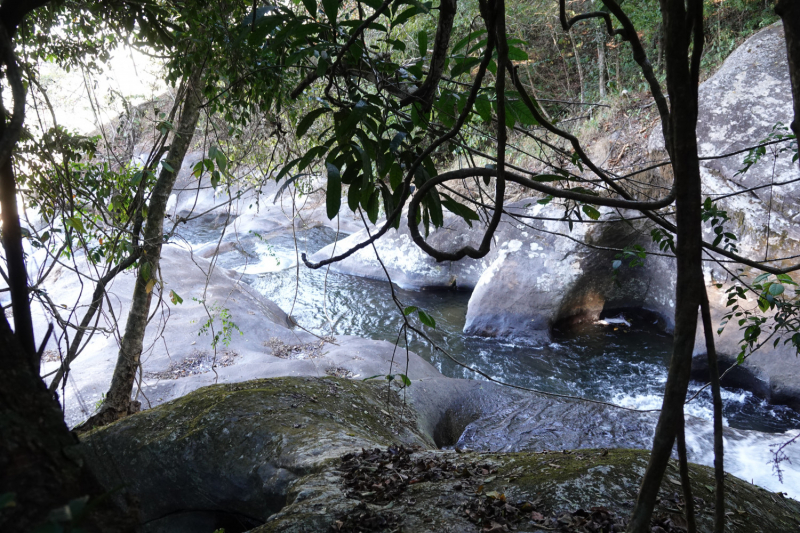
[(239, 454), (739, 106), (556, 490), (539, 276), (230, 452)]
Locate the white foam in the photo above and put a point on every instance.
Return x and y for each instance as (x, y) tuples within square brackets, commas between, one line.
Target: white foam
[(748, 455)]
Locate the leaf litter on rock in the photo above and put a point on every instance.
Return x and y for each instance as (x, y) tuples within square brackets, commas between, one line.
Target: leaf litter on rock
[(379, 477), (197, 363)]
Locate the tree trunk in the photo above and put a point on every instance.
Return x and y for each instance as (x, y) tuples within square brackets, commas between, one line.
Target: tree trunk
[(577, 62), (118, 402), (789, 11), (15, 257), (36, 460), (682, 83), (601, 63), (713, 369)]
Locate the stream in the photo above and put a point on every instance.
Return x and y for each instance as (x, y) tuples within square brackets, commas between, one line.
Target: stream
[(623, 365)]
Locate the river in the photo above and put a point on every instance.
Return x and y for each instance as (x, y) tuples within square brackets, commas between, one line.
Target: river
[(615, 363)]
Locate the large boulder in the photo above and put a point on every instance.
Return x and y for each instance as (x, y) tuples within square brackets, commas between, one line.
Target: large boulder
[(739, 106), (408, 266), (241, 454), (537, 273), (541, 274), (586, 490), (228, 453)]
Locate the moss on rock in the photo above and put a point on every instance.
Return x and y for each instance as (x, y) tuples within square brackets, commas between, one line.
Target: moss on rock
[(265, 454), (236, 447), (552, 482)]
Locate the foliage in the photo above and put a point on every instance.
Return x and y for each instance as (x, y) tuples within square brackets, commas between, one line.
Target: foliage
[(718, 218), (769, 291), (217, 312), (85, 203), (778, 134)]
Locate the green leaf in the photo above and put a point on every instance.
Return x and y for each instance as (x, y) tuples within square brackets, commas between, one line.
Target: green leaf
[(197, 170), (307, 121), (373, 377), (515, 54), (460, 66), (405, 16), (397, 140), (775, 289), (410, 309), (591, 212), (333, 197), (167, 166), (310, 156), (285, 170), (373, 206), (484, 109), (365, 162), (419, 119), (175, 298), (354, 195), (331, 7), (434, 204), (426, 319), (311, 7), (406, 381), (222, 162), (345, 122), (463, 42), (520, 112), (395, 175), (616, 264), (761, 277), (322, 66), (146, 270), (422, 42), (459, 209), (76, 223)]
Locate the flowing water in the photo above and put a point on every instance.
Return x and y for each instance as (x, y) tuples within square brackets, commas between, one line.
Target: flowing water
[(626, 366)]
